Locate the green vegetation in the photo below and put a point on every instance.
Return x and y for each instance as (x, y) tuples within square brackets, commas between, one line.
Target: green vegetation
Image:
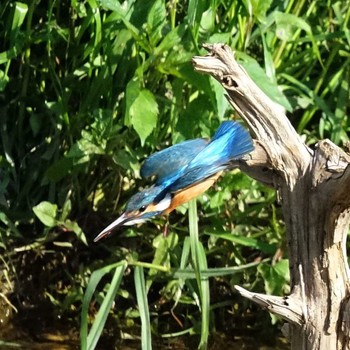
[(89, 89)]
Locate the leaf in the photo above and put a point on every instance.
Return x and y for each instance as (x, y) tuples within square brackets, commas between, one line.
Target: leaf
[(126, 160), (194, 14), (141, 295), (34, 121), (156, 21), (207, 23), (131, 94), (276, 277), (265, 84), (189, 119), (205, 297), (221, 101), (170, 41), (161, 255), (67, 207), (46, 212), (246, 241), (89, 342), (143, 114), (188, 273), (88, 145), (59, 169), (260, 8), (4, 79), (20, 12), (286, 24), (282, 268), (163, 245), (73, 226), (114, 6)]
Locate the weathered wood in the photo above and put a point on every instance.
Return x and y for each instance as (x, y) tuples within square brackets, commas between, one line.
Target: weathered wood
[(314, 188), (289, 308)]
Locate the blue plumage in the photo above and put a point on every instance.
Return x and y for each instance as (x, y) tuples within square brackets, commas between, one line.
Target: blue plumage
[(188, 162), (182, 172), (231, 141), (167, 163)]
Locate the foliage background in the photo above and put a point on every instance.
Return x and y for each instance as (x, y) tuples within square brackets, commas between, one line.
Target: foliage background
[(88, 89)]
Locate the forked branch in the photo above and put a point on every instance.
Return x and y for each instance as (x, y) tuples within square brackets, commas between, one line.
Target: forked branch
[(314, 187)]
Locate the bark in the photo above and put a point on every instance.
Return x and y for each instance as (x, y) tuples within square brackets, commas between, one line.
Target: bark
[(314, 188)]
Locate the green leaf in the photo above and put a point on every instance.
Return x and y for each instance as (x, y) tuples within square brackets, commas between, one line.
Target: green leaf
[(141, 295), (131, 94), (265, 84), (282, 268), (67, 207), (88, 145), (286, 24), (171, 40), (46, 212), (205, 298), (260, 8), (59, 169), (156, 21), (221, 101), (194, 14), (207, 23), (246, 241), (115, 6), (89, 342), (20, 11), (187, 273), (10, 224), (74, 227), (163, 245), (143, 114), (4, 79), (276, 277)]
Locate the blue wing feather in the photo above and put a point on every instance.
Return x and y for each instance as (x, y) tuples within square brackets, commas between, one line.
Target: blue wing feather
[(194, 176), (168, 163), (231, 141)]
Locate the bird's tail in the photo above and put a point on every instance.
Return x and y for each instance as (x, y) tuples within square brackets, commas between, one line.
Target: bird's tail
[(234, 140)]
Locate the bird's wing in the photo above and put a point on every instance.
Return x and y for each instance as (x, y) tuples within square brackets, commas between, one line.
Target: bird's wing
[(231, 141), (167, 165), (193, 176)]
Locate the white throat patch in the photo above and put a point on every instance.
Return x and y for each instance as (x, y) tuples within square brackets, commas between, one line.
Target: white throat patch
[(164, 203)]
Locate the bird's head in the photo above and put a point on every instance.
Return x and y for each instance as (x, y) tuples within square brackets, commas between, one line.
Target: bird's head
[(142, 206)]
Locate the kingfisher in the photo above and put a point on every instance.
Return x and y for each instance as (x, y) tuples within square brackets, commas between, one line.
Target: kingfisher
[(183, 172)]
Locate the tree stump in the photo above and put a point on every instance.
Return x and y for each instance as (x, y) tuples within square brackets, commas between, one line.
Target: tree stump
[(314, 188)]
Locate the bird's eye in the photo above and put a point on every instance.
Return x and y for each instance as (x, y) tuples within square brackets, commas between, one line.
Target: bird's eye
[(142, 209)]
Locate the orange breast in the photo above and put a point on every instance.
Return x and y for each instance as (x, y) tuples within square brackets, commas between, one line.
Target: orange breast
[(191, 192)]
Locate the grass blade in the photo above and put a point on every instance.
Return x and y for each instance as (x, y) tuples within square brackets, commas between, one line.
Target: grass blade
[(205, 298), (141, 294), (199, 263), (88, 342), (215, 272)]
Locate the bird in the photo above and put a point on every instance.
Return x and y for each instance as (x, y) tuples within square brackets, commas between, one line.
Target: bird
[(182, 172)]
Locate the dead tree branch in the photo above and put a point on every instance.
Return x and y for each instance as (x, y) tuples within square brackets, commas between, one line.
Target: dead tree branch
[(314, 186)]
